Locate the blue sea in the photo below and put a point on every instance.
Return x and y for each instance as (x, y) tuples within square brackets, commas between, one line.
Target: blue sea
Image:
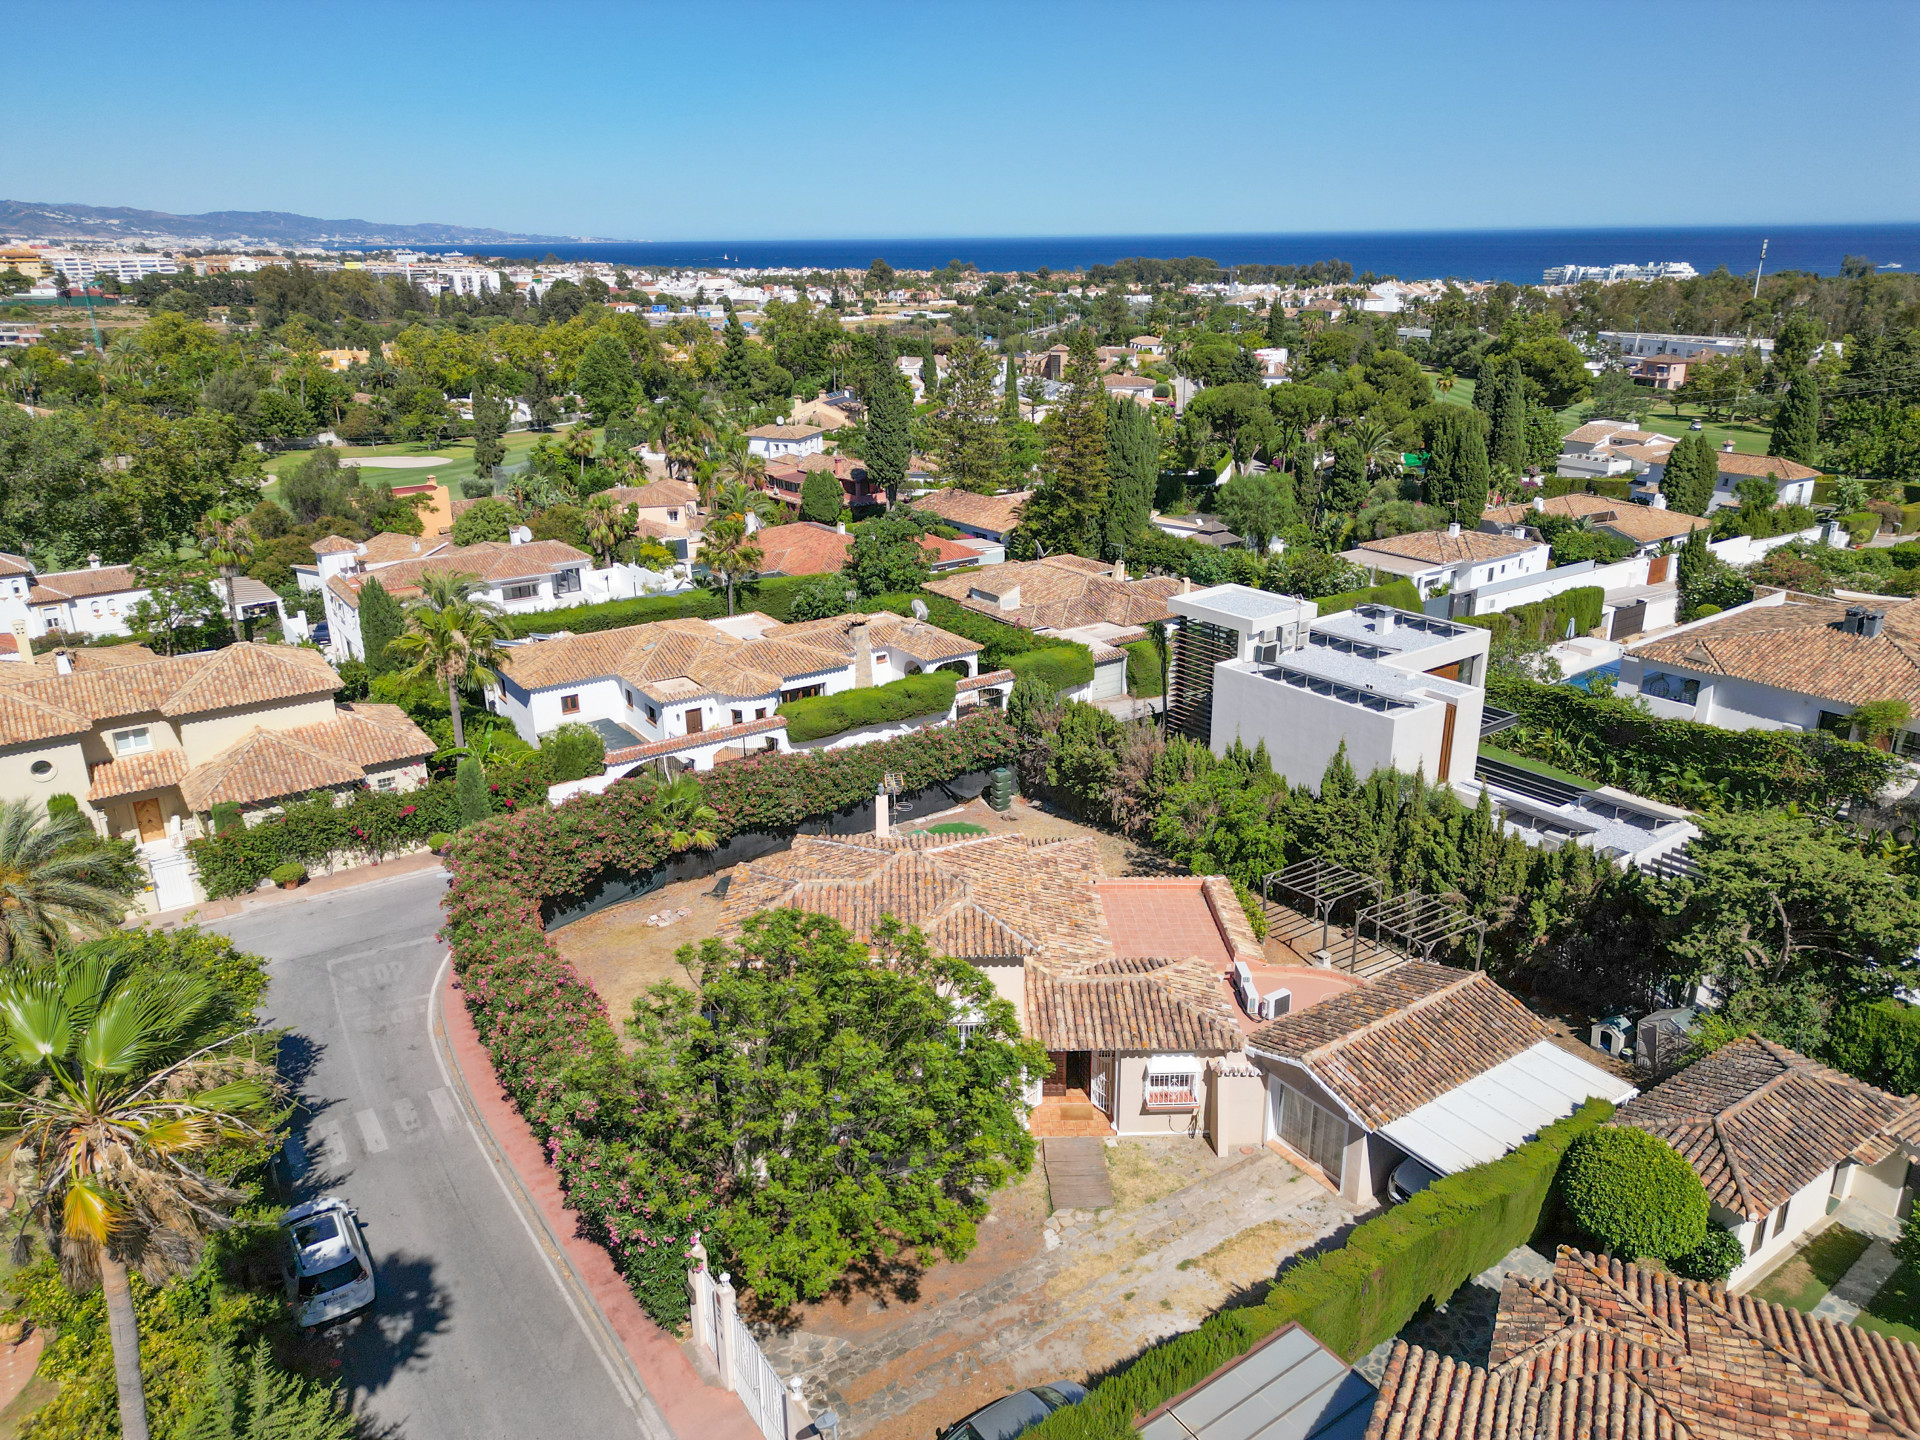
[(1516, 255)]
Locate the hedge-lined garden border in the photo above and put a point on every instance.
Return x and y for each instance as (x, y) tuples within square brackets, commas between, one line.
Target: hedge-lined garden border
[(819, 716), (547, 1030), (1356, 1296)]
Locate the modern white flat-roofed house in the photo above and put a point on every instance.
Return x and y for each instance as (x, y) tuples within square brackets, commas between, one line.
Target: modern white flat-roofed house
[(1792, 482), (1778, 1139), (1399, 690), (1452, 558), (1784, 661), (1641, 342), (785, 442), (674, 679)]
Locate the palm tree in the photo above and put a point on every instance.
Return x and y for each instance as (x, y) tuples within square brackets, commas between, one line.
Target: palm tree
[(609, 526), (577, 444), (133, 1080), (56, 878), (679, 817), (441, 588), (454, 644), (227, 539), (731, 497), (740, 466), (1377, 446), (729, 552), (1443, 382)]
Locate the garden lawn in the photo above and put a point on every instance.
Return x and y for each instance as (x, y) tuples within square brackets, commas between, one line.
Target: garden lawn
[(1810, 1272), (1748, 437), (1538, 767), (1895, 1310), (459, 455)]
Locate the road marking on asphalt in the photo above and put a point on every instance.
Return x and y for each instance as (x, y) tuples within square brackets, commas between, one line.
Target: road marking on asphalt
[(408, 1115), (371, 1134), (445, 1108), (330, 1145)]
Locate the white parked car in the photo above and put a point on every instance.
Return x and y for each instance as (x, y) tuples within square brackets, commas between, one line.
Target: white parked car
[(328, 1271)]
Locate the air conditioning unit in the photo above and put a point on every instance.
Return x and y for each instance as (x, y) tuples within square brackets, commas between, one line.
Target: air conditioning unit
[(1275, 1003)]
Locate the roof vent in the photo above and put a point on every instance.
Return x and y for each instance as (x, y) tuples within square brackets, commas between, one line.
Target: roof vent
[(1453, 528), (1726, 448)]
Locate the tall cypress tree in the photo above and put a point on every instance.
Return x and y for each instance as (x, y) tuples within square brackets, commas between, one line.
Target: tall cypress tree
[(1507, 412), (1133, 473), (381, 622), (889, 444), (1457, 470), (1796, 424), (1065, 512), (1690, 474), (1346, 483), (1010, 395)]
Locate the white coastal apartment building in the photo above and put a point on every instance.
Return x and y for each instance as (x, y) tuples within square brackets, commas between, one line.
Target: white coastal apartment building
[(688, 689), (521, 577), (85, 269)]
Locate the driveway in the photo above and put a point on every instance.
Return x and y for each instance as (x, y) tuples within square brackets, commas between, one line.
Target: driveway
[(473, 1333)]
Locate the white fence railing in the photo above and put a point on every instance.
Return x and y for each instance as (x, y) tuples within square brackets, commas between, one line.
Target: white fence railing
[(720, 1332)]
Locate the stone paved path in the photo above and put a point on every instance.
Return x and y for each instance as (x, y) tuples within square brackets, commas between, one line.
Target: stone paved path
[(1852, 1291), (1077, 1174), (1103, 1286)]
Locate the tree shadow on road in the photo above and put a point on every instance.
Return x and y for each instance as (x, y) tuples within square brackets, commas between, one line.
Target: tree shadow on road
[(397, 1333)]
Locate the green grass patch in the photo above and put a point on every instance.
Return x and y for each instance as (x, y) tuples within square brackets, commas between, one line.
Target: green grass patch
[(819, 716), (954, 827), (1747, 437), (1895, 1310), (1805, 1276), (1538, 767)]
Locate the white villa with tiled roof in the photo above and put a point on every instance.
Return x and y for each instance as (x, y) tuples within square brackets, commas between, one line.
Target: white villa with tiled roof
[(1451, 558), (519, 577), (1784, 661), (147, 749), (688, 689)]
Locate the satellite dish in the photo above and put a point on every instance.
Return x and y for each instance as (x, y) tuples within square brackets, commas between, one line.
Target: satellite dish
[(919, 609)]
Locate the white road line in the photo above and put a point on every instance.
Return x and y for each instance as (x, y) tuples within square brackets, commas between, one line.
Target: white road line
[(408, 1115), (445, 1108), (646, 1413), (374, 1137), (330, 1145)]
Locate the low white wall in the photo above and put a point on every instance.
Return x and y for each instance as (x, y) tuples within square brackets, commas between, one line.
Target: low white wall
[(1744, 549), (1622, 575)]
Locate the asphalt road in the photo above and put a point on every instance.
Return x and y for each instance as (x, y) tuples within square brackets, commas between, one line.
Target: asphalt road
[(473, 1333)]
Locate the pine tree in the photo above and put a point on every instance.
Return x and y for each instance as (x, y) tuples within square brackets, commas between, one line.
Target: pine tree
[(1796, 424), (1066, 511), (735, 371), (889, 445), (381, 620), (968, 440), (1133, 473), (1010, 396), (470, 791)]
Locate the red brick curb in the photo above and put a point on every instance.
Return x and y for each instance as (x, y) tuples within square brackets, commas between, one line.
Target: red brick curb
[(693, 1409)]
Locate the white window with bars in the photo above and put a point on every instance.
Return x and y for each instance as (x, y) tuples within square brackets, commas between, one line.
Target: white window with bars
[(1172, 1083)]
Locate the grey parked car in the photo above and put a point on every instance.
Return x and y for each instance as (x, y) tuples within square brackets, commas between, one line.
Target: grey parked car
[(1014, 1414)]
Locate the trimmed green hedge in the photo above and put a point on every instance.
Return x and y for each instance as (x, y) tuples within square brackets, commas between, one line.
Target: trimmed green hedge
[(1064, 664), (1143, 668), (819, 716), (770, 597), (1634, 1194), (1861, 526), (1399, 593), (1547, 619), (1354, 1297)]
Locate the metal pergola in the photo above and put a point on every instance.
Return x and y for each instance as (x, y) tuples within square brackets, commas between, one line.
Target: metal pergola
[(1418, 925), (1320, 887)]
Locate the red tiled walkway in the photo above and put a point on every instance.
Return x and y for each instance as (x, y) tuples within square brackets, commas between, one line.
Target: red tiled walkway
[(1068, 1116)]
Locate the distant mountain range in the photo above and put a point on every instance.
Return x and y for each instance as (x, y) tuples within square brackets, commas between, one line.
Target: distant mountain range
[(35, 220)]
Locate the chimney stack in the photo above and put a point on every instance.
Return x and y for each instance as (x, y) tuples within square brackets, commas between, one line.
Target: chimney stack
[(1120, 569), (1726, 447), (1659, 502), (63, 661), (882, 823), (862, 654), (93, 562), (1453, 527), (22, 643)]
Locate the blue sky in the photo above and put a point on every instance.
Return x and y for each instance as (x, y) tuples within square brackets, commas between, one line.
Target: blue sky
[(1044, 117)]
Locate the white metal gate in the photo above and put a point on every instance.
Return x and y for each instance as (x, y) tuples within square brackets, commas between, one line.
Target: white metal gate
[(755, 1382)]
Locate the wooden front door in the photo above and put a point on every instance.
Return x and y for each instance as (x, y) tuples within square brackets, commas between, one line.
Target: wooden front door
[(1072, 1070), (696, 722), (147, 815)]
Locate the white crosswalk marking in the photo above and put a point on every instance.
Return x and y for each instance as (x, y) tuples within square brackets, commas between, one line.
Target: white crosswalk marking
[(329, 1145), (408, 1115), (445, 1108), (371, 1133)]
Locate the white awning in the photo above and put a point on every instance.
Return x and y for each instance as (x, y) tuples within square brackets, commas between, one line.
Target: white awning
[(1501, 1109)]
